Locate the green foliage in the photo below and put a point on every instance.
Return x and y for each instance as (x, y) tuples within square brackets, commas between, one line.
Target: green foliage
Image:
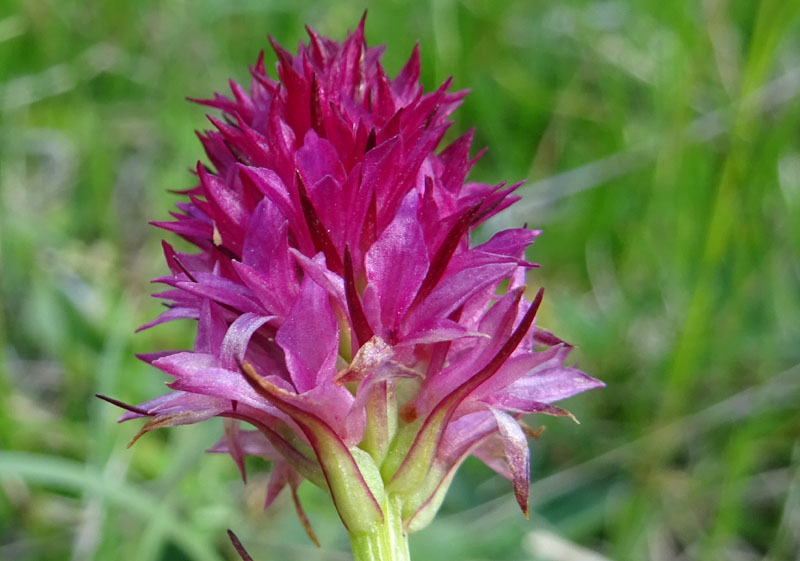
[(661, 147)]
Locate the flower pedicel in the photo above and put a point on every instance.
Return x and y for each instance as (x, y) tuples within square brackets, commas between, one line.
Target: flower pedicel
[(343, 314)]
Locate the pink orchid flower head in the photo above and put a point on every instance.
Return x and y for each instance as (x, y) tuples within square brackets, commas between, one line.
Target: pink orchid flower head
[(342, 312)]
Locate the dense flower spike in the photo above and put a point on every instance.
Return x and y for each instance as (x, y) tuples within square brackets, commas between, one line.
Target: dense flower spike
[(342, 311)]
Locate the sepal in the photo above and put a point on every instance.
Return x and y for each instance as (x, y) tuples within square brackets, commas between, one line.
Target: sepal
[(352, 491)]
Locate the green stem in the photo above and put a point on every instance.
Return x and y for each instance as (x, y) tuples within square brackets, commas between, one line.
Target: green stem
[(388, 542)]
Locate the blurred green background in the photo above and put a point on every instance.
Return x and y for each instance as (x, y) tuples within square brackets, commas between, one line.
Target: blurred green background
[(661, 141)]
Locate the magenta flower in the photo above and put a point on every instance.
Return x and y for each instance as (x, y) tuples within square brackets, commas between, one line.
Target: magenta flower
[(342, 311)]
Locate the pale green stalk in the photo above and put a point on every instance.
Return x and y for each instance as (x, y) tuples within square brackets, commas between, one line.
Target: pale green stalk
[(388, 542)]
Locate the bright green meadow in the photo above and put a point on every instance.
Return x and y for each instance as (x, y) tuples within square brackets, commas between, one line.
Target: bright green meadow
[(661, 144)]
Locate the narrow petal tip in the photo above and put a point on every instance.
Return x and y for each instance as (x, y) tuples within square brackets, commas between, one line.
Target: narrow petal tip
[(237, 545)]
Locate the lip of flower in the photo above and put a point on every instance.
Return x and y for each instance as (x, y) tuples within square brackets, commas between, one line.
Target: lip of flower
[(341, 308)]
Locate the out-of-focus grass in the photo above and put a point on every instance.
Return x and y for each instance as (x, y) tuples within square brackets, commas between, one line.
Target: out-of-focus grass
[(662, 148)]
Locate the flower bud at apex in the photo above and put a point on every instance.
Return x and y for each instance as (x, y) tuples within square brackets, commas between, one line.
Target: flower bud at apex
[(341, 308)]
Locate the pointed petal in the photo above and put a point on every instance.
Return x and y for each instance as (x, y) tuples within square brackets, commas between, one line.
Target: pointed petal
[(272, 294), (552, 384), (278, 479), (397, 263), (237, 338), (318, 158), (222, 291), (316, 268), (199, 373), (455, 289), (437, 331), (310, 338), (172, 420), (517, 455), (266, 241), (173, 402), (231, 430), (171, 314)]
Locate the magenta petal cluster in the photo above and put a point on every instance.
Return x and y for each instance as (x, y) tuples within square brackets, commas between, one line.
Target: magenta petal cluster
[(342, 312)]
